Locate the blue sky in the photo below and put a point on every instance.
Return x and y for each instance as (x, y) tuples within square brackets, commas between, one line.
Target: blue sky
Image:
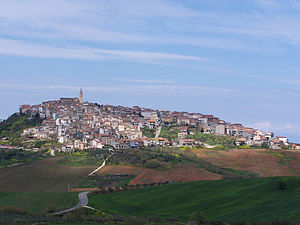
[(238, 60)]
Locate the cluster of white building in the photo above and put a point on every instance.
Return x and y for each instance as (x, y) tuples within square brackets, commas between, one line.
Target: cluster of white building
[(81, 125)]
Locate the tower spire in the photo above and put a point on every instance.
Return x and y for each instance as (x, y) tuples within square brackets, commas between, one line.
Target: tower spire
[(80, 96)]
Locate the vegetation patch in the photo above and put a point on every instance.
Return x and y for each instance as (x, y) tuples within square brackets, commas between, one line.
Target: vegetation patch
[(107, 180), (12, 127), (169, 132), (145, 157), (10, 157), (212, 139), (39, 202), (249, 199), (150, 133), (80, 160)]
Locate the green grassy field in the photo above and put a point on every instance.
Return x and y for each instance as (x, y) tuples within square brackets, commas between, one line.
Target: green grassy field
[(78, 223), (251, 199), (38, 202)]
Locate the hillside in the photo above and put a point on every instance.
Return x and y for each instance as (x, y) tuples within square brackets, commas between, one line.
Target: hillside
[(251, 199), (261, 162), (12, 127), (38, 202), (41, 176), (16, 123)]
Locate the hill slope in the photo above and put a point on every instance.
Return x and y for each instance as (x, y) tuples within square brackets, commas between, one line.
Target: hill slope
[(251, 199), (41, 176), (16, 123), (262, 162)]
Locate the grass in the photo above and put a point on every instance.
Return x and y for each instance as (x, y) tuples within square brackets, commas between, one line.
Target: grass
[(249, 199), (102, 181), (10, 157), (213, 139), (77, 223), (38, 202), (80, 160), (169, 133), (150, 133)]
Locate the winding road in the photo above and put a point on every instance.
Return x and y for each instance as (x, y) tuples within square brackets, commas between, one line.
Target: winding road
[(83, 201), (82, 196)]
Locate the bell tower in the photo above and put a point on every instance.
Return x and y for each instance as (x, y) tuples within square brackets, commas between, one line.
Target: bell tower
[(80, 96)]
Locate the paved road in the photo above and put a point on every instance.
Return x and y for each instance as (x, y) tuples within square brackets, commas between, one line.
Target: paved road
[(83, 201)]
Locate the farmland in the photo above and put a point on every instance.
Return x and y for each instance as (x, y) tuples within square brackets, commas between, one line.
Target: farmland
[(38, 202), (263, 163), (213, 181), (176, 174), (249, 199), (81, 159), (41, 176)]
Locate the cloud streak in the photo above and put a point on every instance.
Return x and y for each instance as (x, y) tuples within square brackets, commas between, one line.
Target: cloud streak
[(144, 87), (145, 81), (155, 22), (22, 48)]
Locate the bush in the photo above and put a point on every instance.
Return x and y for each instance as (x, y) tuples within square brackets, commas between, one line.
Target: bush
[(282, 222), (133, 220), (281, 185), (19, 221), (152, 164), (52, 209), (173, 218), (216, 222), (198, 217), (11, 209)]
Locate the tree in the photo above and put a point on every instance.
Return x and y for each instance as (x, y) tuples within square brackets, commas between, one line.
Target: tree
[(198, 217)]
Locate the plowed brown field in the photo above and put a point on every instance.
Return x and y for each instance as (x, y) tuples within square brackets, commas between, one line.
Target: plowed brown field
[(262, 162), (41, 176), (146, 176)]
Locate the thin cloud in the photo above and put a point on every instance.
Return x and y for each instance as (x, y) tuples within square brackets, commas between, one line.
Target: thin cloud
[(145, 81), (122, 88), (93, 21), (21, 48)]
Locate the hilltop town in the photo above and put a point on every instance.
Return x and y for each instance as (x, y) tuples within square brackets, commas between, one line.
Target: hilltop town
[(82, 125)]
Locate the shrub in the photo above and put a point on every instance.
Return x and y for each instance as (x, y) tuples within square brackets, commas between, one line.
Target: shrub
[(198, 217), (19, 221), (52, 209), (282, 222), (152, 164), (216, 222), (173, 218), (238, 223), (281, 185), (11, 209)]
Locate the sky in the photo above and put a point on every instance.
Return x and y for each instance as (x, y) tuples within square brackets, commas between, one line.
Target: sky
[(238, 60)]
